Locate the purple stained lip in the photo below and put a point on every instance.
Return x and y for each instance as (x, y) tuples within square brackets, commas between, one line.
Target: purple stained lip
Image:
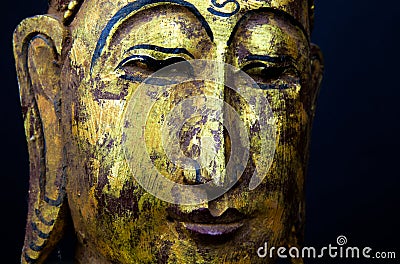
[(213, 229), (202, 222)]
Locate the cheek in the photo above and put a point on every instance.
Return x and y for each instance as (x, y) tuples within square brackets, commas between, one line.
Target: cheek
[(97, 134), (107, 206), (292, 121), (279, 195), (292, 124)]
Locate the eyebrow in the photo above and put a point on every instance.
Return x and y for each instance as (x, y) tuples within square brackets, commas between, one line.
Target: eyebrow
[(277, 12), (132, 7), (162, 49), (272, 59)]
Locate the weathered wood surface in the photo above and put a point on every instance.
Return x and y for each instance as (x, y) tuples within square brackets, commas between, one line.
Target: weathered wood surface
[(79, 69)]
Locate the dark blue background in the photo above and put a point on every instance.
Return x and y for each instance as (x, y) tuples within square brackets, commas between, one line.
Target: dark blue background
[(353, 180)]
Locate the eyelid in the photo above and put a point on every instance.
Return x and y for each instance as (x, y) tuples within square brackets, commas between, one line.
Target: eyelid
[(286, 65), (133, 58), (270, 61), (159, 53), (160, 49), (146, 58)]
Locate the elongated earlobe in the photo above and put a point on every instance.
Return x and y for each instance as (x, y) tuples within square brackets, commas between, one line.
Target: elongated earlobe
[(38, 43)]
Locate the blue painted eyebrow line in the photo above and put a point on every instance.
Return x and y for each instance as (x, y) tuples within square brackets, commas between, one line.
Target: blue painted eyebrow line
[(272, 59), (131, 7), (162, 49)]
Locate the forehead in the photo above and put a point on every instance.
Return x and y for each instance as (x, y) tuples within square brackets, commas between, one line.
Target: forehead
[(299, 9), (216, 12), (98, 19)]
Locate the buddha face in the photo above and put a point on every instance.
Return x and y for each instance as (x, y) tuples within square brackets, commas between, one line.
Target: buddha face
[(113, 47)]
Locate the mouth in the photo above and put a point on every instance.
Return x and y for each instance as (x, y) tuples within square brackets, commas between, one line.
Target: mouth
[(212, 229), (202, 222)]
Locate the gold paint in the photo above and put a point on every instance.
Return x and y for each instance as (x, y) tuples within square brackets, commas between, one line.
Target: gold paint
[(79, 112), (72, 5)]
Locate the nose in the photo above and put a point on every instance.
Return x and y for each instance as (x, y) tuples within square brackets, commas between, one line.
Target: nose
[(213, 140), (201, 137), (187, 116)]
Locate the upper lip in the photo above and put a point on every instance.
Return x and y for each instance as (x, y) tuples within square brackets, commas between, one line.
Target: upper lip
[(204, 216)]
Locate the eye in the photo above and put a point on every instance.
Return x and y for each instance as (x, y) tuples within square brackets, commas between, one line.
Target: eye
[(272, 76), (142, 66)]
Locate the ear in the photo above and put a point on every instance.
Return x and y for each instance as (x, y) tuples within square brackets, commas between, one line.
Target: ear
[(317, 72), (38, 42)]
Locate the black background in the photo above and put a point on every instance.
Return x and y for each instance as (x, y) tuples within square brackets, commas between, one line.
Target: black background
[(353, 180)]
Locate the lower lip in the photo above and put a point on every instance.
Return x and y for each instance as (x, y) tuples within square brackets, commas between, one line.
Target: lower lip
[(212, 229)]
